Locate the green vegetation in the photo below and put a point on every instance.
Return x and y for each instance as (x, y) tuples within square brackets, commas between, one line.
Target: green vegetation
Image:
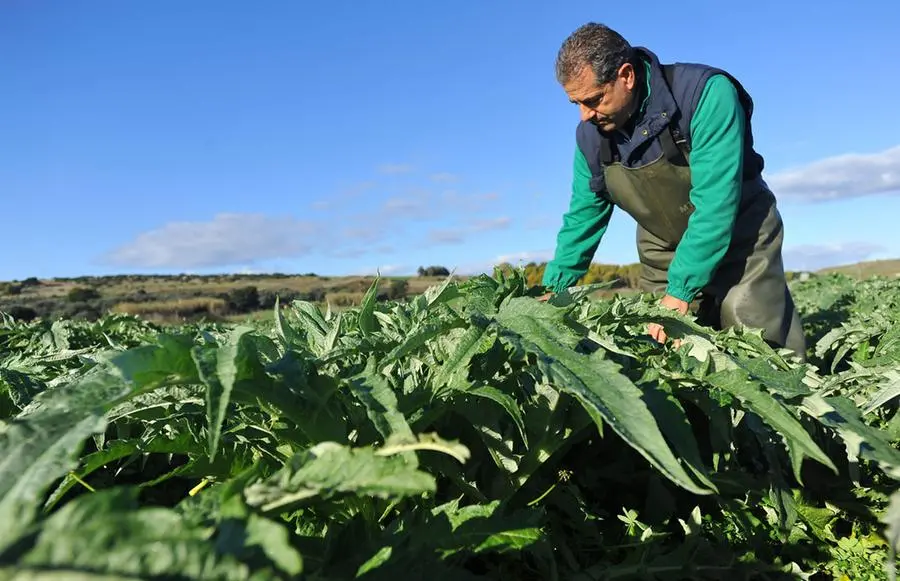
[(468, 432), (237, 297)]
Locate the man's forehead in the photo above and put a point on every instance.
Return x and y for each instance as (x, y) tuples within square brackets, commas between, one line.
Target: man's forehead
[(582, 84)]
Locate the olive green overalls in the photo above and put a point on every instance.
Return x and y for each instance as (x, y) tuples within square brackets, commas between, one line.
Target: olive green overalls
[(749, 288)]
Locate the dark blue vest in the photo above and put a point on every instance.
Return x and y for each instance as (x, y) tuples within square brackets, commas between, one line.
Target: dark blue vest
[(674, 93)]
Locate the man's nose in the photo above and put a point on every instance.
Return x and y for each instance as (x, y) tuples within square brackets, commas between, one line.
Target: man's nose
[(586, 113)]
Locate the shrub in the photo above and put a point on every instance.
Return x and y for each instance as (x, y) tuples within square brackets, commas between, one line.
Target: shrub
[(81, 294)]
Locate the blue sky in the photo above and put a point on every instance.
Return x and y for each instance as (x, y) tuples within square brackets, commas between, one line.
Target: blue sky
[(343, 137)]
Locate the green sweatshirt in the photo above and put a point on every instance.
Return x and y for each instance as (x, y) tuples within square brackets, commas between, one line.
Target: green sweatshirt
[(717, 134)]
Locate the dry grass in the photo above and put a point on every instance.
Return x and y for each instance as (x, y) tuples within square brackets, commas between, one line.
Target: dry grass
[(867, 269), (215, 286), (224, 284), (175, 308), (345, 299)]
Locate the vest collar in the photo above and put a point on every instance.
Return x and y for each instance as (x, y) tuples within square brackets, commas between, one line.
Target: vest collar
[(661, 99), (658, 108)]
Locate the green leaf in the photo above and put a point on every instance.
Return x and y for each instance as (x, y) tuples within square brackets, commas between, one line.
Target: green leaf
[(20, 573), (889, 389), (106, 533), (377, 560), (367, 322), (433, 442), (374, 392), (34, 452), (312, 323), (798, 441), (861, 440), (507, 403), (674, 424), (482, 528), (151, 366), (787, 384), (329, 470), (183, 443), (283, 328), (419, 336), (219, 369), (891, 520), (596, 383), (453, 373), (21, 387)]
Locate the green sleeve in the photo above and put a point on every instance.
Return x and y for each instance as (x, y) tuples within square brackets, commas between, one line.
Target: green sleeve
[(583, 226), (717, 148)]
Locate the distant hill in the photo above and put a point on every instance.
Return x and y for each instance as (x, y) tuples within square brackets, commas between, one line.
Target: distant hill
[(866, 269), (185, 297), (236, 296)]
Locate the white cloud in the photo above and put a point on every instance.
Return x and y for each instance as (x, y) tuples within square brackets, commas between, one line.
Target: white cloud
[(466, 203), (395, 168), (389, 270), (364, 233), (844, 176), (228, 239), (525, 257), (346, 252), (416, 205), (403, 204), (493, 224), (542, 222), (817, 256), (514, 258), (342, 196), (445, 236), (440, 236), (357, 189), (444, 177), (424, 204)]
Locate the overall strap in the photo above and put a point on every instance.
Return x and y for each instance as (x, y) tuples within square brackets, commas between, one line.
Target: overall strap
[(675, 149), (609, 153)]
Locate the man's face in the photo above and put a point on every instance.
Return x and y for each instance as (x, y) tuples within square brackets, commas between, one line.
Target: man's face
[(607, 106)]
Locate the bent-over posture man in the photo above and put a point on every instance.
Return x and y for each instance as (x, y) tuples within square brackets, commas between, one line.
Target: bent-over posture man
[(672, 146)]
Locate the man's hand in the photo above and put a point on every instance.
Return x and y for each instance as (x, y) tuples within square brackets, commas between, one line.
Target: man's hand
[(656, 330), (545, 298), (671, 302)]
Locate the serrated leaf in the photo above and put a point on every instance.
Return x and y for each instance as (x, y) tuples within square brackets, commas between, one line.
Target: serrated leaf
[(861, 440), (373, 391), (453, 372), (219, 369), (34, 452), (674, 424), (106, 533), (507, 403), (888, 390), (419, 336), (798, 441), (596, 383), (367, 322), (329, 470), (479, 528), (431, 441), (891, 520)]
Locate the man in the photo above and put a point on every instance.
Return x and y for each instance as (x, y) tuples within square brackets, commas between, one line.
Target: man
[(672, 146)]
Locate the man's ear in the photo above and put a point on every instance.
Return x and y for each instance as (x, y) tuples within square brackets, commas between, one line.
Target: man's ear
[(627, 75)]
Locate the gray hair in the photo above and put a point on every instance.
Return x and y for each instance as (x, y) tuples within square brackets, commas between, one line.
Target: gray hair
[(594, 45)]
